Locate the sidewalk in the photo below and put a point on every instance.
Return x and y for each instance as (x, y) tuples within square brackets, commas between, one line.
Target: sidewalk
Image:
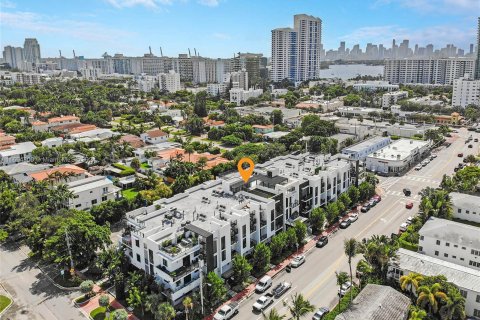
[(248, 291), (92, 304)]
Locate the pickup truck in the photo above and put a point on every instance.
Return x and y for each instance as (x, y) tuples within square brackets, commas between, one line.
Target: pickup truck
[(226, 312), (263, 302), (281, 288)]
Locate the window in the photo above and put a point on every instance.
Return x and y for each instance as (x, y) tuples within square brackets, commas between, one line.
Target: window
[(421, 237), (223, 243), (104, 198), (224, 255), (445, 255), (463, 293), (447, 244), (138, 257), (137, 243), (463, 248), (454, 257), (165, 263), (94, 201), (244, 243), (78, 205), (420, 249), (436, 253), (462, 259), (467, 211), (459, 210), (478, 298), (455, 245), (438, 242), (476, 313)]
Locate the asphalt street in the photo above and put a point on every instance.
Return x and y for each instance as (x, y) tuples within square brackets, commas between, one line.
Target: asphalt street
[(316, 278)]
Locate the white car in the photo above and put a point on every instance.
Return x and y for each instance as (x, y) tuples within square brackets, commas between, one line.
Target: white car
[(344, 288), (353, 217), (403, 227), (409, 220), (297, 261), (418, 167)]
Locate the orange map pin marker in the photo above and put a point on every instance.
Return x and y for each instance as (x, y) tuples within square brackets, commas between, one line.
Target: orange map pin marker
[(245, 173)]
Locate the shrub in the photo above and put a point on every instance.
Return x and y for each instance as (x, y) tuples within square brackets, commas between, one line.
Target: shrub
[(343, 305), (86, 286)]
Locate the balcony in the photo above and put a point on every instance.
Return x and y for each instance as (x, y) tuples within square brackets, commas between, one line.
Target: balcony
[(180, 272), (176, 250), (126, 240), (176, 295)]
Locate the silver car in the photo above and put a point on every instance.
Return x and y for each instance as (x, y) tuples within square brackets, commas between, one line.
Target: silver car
[(297, 261)]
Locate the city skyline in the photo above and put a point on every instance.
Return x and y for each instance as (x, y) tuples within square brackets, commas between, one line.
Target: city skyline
[(79, 30)]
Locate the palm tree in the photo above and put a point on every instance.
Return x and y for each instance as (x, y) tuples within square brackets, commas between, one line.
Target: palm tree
[(431, 296), (300, 306), (342, 278), (411, 282), (273, 315), (351, 249), (454, 308), (417, 314), (189, 149), (187, 304), (363, 268)]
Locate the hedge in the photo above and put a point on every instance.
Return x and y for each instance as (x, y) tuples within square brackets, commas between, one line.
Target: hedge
[(343, 305), (126, 171)]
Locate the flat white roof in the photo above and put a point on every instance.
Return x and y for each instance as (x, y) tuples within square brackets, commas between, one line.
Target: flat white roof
[(451, 231), (365, 144), (19, 148), (398, 150)]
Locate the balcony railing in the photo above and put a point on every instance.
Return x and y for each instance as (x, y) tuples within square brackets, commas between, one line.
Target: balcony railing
[(180, 272)]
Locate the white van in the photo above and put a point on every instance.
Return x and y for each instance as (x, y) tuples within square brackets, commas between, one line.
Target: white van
[(263, 284)]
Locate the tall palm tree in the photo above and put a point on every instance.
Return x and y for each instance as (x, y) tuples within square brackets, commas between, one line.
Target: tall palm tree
[(410, 282), (454, 308), (187, 304), (299, 306), (273, 315), (351, 249), (363, 268), (431, 297), (342, 278)]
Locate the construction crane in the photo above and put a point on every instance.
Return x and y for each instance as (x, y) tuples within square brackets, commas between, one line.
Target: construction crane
[(161, 53), (74, 54), (60, 51), (195, 51), (189, 55)]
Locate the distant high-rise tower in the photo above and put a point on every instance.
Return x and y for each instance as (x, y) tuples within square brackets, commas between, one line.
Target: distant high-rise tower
[(31, 50), (14, 57), (296, 52), (477, 63), (471, 48)]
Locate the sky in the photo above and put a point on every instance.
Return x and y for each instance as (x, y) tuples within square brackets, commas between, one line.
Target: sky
[(219, 28)]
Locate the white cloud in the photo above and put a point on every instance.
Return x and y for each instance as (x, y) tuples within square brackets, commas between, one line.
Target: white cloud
[(221, 36), (40, 24), (7, 4), (209, 3), (440, 6), (437, 35), (132, 3)]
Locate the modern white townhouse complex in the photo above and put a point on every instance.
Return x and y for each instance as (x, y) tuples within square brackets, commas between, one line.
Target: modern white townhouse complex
[(466, 206), (397, 157), (16, 153), (467, 280), (391, 98), (361, 150), (466, 91), (451, 241), (427, 71), (210, 223)]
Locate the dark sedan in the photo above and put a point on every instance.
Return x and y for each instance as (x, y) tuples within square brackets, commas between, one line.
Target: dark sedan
[(345, 224), (322, 242)]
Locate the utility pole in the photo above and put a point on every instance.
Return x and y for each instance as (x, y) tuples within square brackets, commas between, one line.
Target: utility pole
[(67, 238)]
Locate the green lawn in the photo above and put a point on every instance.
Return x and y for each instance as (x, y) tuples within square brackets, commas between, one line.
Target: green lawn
[(129, 193), (145, 165), (100, 313), (4, 302)]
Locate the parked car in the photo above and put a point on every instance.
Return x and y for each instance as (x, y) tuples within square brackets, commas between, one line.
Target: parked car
[(281, 288), (353, 217), (372, 203), (365, 207), (322, 312), (409, 205), (424, 163), (322, 242), (409, 220), (418, 167), (475, 140), (297, 261), (345, 224), (407, 192), (344, 288), (263, 284), (460, 155), (226, 312), (470, 146), (403, 227), (377, 198), (263, 302)]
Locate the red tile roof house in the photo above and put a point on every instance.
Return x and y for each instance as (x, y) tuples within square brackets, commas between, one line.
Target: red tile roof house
[(54, 122), (213, 123), (133, 140), (6, 141), (154, 136)]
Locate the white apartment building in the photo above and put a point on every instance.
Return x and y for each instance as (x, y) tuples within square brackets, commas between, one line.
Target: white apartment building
[(146, 83), (239, 79), (467, 280), (397, 157), (91, 74), (31, 50), (391, 98), (91, 191), (465, 206), (296, 52), (374, 86), (178, 238), (14, 57), (240, 96), (215, 89), (427, 71), (451, 241), (169, 81), (20, 152), (362, 149), (466, 91)]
